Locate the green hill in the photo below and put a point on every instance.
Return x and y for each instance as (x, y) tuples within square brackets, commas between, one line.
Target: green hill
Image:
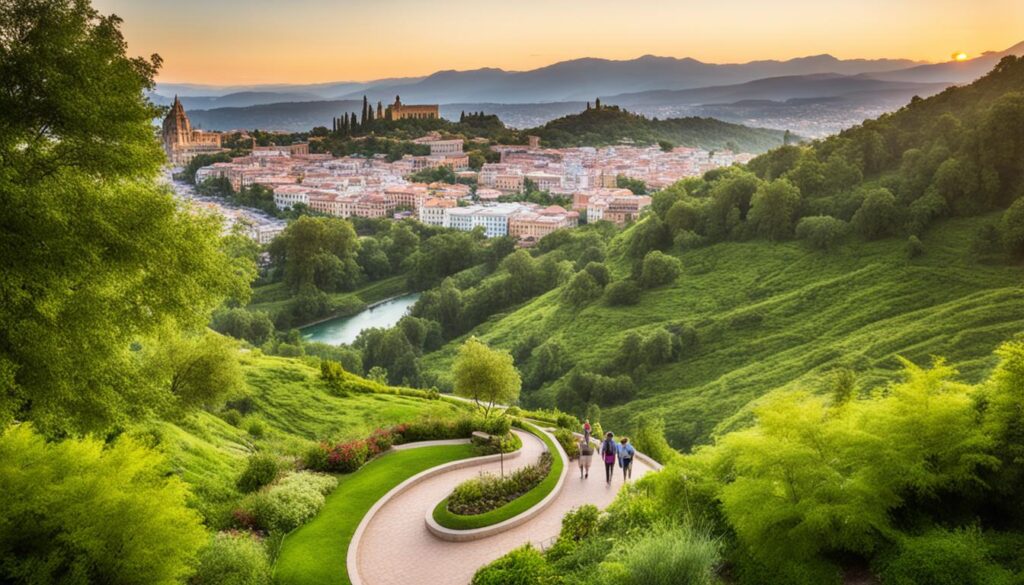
[(288, 409), (612, 125), (771, 315)]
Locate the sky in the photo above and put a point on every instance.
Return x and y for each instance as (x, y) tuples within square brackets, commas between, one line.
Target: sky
[(224, 42)]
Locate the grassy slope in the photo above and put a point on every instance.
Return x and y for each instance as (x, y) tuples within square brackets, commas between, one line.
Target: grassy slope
[(296, 410), (860, 306), (274, 297), (315, 553)]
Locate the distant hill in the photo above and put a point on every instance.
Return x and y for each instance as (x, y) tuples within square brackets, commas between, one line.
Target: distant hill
[(235, 100), (611, 125), (781, 89), (287, 116), (582, 79), (952, 71)]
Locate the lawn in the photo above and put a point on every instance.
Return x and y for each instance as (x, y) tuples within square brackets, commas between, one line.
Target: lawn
[(315, 553)]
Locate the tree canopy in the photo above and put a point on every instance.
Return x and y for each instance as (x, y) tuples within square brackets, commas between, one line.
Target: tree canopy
[(486, 376)]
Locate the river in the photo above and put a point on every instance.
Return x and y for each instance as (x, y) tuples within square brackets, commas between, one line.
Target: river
[(345, 329)]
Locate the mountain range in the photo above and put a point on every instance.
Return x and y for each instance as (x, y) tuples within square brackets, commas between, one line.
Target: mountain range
[(664, 86)]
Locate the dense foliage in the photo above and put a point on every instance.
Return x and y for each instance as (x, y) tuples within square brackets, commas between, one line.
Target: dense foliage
[(489, 491)]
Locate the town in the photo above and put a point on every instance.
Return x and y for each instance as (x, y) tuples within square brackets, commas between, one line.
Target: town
[(373, 187)]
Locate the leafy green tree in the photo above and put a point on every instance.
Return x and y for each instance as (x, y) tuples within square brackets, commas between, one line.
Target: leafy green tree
[(581, 289), (373, 259), (659, 268), (96, 254), (622, 292), (484, 375), (731, 197), (878, 215), (1012, 228), (78, 511), (319, 251), (198, 371), (637, 186), (773, 209), (821, 232)]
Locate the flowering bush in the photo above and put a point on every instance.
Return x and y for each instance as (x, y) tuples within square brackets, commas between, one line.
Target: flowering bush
[(290, 502), (489, 491)]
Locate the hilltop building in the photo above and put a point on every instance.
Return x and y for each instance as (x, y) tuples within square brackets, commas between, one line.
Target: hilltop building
[(400, 111), (181, 142)]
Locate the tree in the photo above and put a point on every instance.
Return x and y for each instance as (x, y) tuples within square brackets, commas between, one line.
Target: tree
[(198, 371), (1012, 228), (773, 209), (319, 251), (622, 292), (486, 376), (79, 511), (581, 289), (96, 254), (821, 232), (878, 215), (658, 269)]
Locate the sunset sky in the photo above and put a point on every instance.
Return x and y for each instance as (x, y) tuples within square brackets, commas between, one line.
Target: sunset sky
[(293, 41)]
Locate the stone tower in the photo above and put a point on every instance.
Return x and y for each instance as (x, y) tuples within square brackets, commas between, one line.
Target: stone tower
[(177, 129)]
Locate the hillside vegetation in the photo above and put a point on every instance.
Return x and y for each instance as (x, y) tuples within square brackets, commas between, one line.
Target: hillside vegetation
[(771, 315), (607, 125)]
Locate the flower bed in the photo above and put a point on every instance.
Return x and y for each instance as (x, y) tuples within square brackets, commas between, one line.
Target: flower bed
[(489, 491), (351, 455), (447, 519)]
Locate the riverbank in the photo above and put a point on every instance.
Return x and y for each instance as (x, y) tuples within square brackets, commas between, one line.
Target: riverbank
[(341, 330), (275, 297)]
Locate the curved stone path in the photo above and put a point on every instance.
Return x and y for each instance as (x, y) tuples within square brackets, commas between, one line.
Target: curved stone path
[(397, 549)]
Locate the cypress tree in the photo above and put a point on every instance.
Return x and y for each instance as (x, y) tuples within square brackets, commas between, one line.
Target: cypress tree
[(366, 108), (462, 117)]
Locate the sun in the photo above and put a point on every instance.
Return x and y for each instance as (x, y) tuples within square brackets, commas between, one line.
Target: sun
[(959, 56)]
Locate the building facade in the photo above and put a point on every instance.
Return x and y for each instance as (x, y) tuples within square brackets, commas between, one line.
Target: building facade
[(181, 142), (400, 111)]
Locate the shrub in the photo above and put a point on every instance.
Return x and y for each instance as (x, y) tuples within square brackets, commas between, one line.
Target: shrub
[(669, 556), (658, 269), (256, 427), (567, 421), (522, 566), (580, 523), (914, 247), (622, 293), (582, 288), (489, 492), (568, 441), (650, 439), (260, 470), (232, 560), (821, 232), (290, 502), (232, 417), (941, 558)]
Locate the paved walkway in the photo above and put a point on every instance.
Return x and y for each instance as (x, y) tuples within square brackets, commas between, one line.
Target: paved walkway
[(397, 549)]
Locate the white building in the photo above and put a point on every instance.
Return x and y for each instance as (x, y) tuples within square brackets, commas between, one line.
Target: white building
[(493, 218)]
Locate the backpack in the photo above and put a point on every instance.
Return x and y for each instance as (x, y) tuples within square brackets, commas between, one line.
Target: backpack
[(609, 451)]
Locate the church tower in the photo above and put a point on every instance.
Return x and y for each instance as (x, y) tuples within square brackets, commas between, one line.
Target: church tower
[(177, 129)]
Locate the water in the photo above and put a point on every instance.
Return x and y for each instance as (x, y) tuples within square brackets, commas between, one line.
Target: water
[(346, 329)]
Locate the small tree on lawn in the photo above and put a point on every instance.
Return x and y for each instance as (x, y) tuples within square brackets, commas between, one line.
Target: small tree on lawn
[(486, 376)]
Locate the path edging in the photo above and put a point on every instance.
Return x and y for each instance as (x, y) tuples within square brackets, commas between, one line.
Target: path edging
[(352, 558), (452, 535)]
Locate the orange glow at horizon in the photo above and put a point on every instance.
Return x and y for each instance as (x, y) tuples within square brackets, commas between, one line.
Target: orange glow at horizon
[(309, 41), (960, 56)]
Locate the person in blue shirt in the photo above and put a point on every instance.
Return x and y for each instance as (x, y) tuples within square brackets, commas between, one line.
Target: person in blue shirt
[(626, 454)]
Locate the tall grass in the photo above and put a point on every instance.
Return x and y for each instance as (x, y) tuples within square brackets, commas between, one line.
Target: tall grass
[(684, 555)]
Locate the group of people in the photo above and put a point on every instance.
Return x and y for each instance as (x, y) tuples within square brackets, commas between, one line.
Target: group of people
[(610, 451)]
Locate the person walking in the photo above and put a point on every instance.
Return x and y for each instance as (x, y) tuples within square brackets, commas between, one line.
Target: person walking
[(587, 429), (609, 451), (586, 454), (626, 453)]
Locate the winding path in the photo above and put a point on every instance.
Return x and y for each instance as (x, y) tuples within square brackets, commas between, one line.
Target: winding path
[(397, 549)]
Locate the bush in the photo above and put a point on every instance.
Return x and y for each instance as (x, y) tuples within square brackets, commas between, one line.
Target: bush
[(658, 269), (622, 293), (914, 247), (232, 560), (256, 428), (260, 470), (290, 502), (941, 558), (650, 439), (821, 232), (567, 421), (669, 556), (568, 441), (232, 417), (490, 492), (522, 566), (580, 523)]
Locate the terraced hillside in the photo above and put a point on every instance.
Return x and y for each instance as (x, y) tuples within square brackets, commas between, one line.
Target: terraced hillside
[(772, 315)]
